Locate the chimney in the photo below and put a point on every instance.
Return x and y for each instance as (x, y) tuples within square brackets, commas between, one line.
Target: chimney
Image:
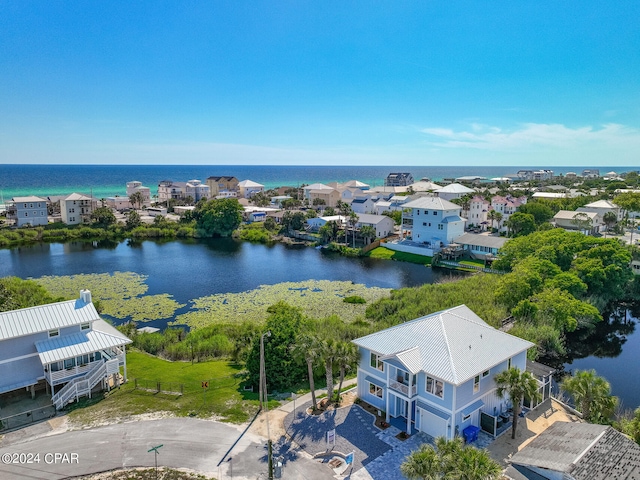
[(85, 296)]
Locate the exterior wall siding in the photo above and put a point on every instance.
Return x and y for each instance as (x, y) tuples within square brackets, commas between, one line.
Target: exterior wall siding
[(21, 370)]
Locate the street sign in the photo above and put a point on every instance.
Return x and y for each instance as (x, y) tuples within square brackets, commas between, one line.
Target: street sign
[(205, 384), (349, 458), (331, 437)]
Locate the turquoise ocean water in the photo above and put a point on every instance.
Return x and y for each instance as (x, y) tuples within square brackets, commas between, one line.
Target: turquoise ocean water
[(108, 180)]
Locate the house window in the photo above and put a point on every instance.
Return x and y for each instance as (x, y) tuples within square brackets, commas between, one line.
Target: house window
[(485, 373), (375, 390), (424, 224), (435, 213), (70, 363), (426, 212), (476, 384), (85, 326), (376, 362), (434, 387), (429, 223), (440, 226), (54, 333), (466, 417), (509, 364)]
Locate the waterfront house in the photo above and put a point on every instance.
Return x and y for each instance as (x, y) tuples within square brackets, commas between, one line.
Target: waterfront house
[(30, 211), (77, 208), (63, 347), (432, 222), (382, 224), (483, 247), (398, 179), (315, 223), (577, 451), (248, 188), (436, 373)]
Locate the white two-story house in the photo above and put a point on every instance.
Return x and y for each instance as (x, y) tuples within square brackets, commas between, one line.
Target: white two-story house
[(77, 208), (63, 347), (437, 372)]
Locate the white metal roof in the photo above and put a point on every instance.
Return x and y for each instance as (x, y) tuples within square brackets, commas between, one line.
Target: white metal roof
[(249, 183), (42, 318), (31, 198), (455, 188), (481, 240), (602, 204), (432, 203), (318, 186), (571, 214), (77, 196), (372, 219), (81, 343), (454, 345)]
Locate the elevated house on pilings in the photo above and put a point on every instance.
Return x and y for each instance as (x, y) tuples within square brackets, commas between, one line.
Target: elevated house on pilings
[(64, 348)]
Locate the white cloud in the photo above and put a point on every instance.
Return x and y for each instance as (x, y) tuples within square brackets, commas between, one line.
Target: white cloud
[(536, 135)]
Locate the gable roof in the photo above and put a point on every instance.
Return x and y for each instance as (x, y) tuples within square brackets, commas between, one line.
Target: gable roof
[(490, 241), (602, 204), (455, 188), (582, 451), (432, 203), (42, 318), (249, 183), (453, 345), (371, 218)]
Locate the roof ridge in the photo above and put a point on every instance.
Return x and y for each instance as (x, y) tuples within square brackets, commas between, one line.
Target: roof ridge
[(446, 342), (34, 307)]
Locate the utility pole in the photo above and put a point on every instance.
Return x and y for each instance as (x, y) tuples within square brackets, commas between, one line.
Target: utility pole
[(264, 400)]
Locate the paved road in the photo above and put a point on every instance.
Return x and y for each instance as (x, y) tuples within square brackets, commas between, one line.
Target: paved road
[(187, 443)]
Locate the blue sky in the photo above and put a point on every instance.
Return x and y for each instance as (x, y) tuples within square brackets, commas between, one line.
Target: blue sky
[(346, 83)]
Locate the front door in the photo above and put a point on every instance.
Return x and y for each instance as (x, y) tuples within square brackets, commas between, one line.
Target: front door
[(402, 408)]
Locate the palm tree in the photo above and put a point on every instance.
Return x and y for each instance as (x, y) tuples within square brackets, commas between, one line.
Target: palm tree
[(494, 216), (347, 356), (592, 395), (328, 351), (307, 349), (517, 384), (609, 219), (136, 198), (368, 233), (450, 459), (353, 219)]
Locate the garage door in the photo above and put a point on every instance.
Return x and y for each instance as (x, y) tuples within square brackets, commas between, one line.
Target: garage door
[(432, 424)]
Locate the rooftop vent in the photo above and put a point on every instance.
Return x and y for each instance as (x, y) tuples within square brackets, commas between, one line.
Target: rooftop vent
[(85, 296)]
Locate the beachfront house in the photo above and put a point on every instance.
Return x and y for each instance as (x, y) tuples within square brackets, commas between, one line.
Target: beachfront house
[(77, 208), (31, 211), (194, 189), (398, 179), (432, 222), (137, 187), (435, 374), (63, 347)]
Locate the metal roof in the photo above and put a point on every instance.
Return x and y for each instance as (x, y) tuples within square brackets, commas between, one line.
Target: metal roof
[(376, 381), (409, 359), (431, 409), (469, 409), (42, 318), (455, 188), (432, 203), (31, 198), (372, 219), (481, 240), (70, 346), (454, 345)]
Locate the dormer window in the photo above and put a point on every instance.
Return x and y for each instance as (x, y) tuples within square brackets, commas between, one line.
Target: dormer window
[(54, 333), (85, 326)]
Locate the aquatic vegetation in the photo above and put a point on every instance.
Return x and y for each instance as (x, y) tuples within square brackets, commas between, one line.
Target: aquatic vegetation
[(121, 294), (317, 298)]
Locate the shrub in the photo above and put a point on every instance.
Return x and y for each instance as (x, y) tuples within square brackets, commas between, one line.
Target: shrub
[(354, 299)]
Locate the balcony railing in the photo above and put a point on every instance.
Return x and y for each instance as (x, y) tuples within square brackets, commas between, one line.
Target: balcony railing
[(62, 376), (404, 388)]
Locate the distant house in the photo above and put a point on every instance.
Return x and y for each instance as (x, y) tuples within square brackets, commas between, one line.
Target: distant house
[(362, 205), (602, 207), (170, 190), (577, 451), (398, 179), (356, 184), (478, 210), (314, 187), (507, 206), (424, 185), (64, 347), (137, 187), (330, 196), (484, 247), (248, 188), (591, 173), (569, 220), (452, 191), (222, 184), (77, 208), (432, 221), (436, 373), (382, 224), (30, 211), (316, 222)]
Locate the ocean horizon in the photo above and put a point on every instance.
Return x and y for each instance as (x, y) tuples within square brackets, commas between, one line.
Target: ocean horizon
[(103, 181)]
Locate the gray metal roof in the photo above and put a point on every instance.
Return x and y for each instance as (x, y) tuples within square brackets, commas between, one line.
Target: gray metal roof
[(42, 318), (371, 218), (454, 345), (584, 451), (70, 346), (481, 240), (432, 203)]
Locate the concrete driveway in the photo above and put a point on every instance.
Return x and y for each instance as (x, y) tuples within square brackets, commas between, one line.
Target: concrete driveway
[(187, 443)]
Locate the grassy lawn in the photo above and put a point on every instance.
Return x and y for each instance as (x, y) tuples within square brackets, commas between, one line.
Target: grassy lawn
[(478, 263), (224, 398), (386, 254)]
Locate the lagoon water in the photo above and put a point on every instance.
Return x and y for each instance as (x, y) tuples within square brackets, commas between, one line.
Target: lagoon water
[(191, 269)]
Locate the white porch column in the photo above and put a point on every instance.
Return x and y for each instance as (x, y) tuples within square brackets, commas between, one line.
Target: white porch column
[(124, 353), (409, 411), (388, 415)]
